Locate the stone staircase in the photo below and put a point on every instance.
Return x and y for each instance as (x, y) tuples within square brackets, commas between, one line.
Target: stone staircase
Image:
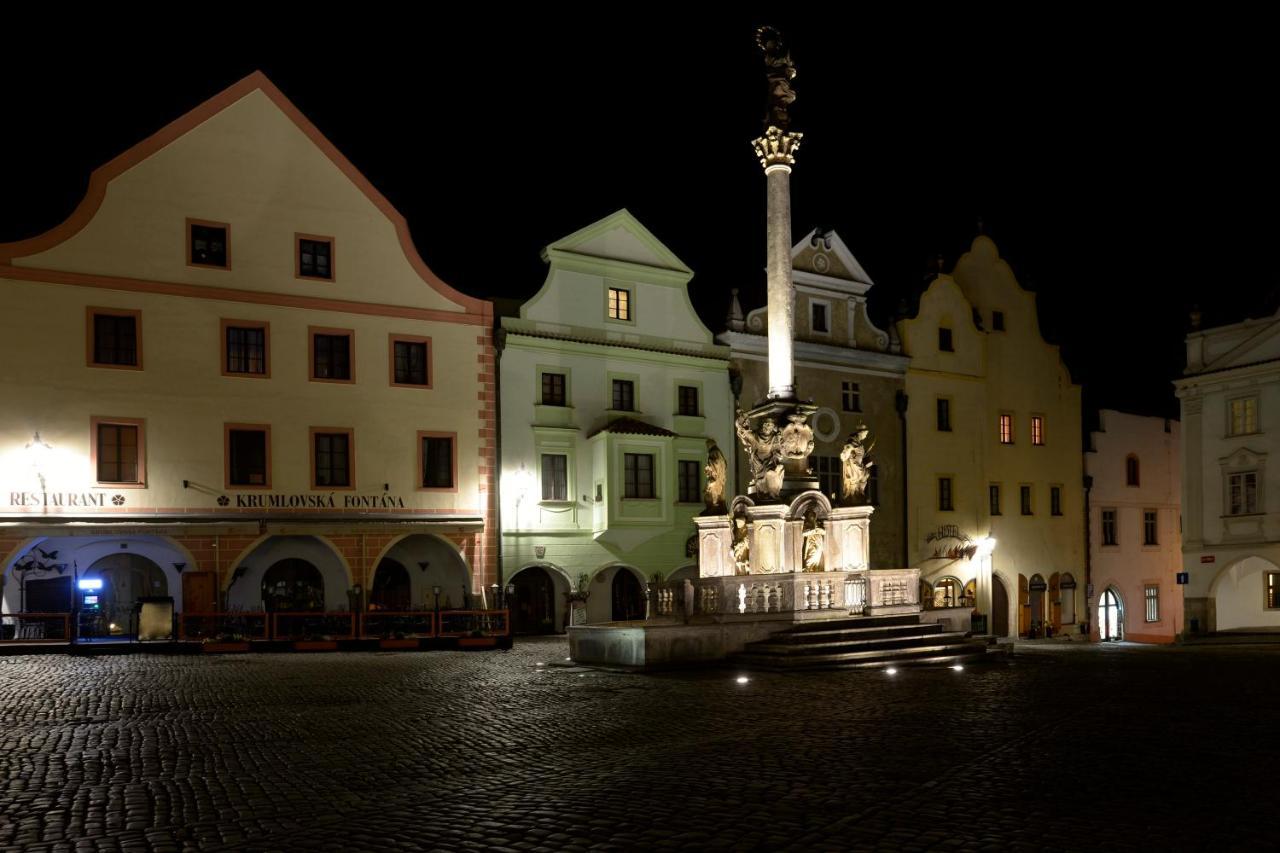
[(862, 641)]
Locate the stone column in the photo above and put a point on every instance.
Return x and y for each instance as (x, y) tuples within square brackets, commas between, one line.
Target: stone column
[(776, 150)]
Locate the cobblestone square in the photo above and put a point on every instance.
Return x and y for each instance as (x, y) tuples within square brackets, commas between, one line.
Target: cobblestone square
[(1094, 748)]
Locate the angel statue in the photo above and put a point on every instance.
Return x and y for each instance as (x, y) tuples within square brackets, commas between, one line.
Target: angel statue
[(855, 464), (779, 72), (716, 470), (741, 546), (814, 538), (764, 455)]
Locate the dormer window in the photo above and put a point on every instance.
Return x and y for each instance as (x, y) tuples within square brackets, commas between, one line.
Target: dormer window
[(208, 244), (315, 257), (944, 340)]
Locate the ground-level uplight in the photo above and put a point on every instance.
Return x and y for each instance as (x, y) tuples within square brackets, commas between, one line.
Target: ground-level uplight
[(893, 670), (539, 663), (958, 668), (742, 679)]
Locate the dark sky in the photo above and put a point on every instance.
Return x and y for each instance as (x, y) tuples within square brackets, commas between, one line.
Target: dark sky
[(1118, 164)]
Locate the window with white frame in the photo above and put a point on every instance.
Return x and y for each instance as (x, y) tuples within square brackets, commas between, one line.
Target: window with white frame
[(555, 477), (619, 303), (1006, 429), (1242, 493), (1149, 527), (1037, 430), (1109, 527), (638, 475), (689, 481), (1151, 595), (1244, 416)]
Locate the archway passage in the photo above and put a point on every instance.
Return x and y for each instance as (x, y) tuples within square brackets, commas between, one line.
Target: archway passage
[(293, 585), (533, 610), (628, 596), (1110, 616), (390, 590), (109, 591), (999, 607)]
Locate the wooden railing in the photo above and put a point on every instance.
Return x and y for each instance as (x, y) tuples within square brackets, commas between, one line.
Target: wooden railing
[(35, 627)]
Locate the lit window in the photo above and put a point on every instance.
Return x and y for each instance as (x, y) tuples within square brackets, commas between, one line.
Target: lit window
[(1242, 493), (1273, 591), (687, 398), (619, 303), (555, 477), (332, 459), (638, 475), (944, 494), (944, 414), (993, 494), (248, 456), (689, 479), (1149, 527), (818, 312), (944, 340), (1037, 430), (553, 389), (1055, 500), (1024, 493), (1151, 594), (1244, 416), (624, 395), (409, 362), (1006, 429), (1131, 470), (315, 258), (437, 461), (851, 396), (1108, 527), (115, 338), (118, 452), (208, 245)]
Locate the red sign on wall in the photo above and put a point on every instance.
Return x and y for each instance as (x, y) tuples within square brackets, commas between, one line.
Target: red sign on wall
[(1208, 558)]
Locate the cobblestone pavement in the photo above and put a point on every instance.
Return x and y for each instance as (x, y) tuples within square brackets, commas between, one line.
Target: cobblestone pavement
[(1088, 749)]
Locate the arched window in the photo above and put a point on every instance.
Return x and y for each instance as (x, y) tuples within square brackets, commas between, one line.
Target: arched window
[(946, 592), (1131, 470)]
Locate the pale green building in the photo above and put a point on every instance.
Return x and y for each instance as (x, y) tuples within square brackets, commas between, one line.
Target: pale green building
[(610, 386)]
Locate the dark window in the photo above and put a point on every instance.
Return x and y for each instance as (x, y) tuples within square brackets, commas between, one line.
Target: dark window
[(315, 258), (689, 476), (247, 457), (411, 362), (1055, 500), (873, 486), (944, 340), (246, 349), (555, 477), (115, 339), (819, 317), (997, 321), (624, 395), (638, 475), (331, 357), (208, 245), (553, 389), (993, 492), (851, 396), (333, 459), (437, 462), (1131, 471), (944, 414), (688, 399), (117, 453), (829, 473), (1149, 528), (1024, 493), (944, 494), (619, 304), (1108, 527)]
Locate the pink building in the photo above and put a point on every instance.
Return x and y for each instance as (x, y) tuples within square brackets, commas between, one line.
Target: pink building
[(1135, 541)]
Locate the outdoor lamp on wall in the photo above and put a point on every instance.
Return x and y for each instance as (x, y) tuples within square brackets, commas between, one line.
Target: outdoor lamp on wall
[(422, 564), (38, 452), (178, 567)]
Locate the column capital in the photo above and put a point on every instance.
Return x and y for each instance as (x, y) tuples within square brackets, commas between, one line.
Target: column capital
[(777, 148)]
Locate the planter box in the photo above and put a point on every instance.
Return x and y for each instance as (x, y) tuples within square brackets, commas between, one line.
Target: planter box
[(315, 645), (224, 648), (407, 643), (477, 642)]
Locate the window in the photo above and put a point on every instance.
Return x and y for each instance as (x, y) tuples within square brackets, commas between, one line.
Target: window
[(689, 478), (624, 395), (1131, 470), (208, 244), (818, 317), (315, 257), (1055, 500), (1244, 416), (619, 303), (638, 475), (993, 495), (1273, 591), (997, 321), (944, 340), (944, 414), (1006, 429), (687, 397), (244, 348), (1149, 527), (1024, 496), (1037, 430), (555, 477), (850, 397), (436, 460), (331, 355), (830, 473), (1242, 493), (944, 494), (411, 361), (117, 451), (248, 449), (331, 459), (1108, 527), (115, 338), (553, 389), (1151, 594)]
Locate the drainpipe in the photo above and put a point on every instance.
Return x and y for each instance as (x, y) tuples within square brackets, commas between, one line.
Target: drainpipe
[(1088, 556), (499, 344), (900, 403)]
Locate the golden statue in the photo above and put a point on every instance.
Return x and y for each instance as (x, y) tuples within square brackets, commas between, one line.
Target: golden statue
[(741, 546), (814, 540)]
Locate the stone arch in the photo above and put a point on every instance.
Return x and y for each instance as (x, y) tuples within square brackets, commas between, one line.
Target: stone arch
[(600, 602), (445, 566), (243, 583), (810, 500), (686, 572), (1111, 626), (1238, 593), (524, 611)]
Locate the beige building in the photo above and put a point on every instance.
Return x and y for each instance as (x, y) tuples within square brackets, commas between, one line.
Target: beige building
[(846, 366), (229, 378), (995, 480)]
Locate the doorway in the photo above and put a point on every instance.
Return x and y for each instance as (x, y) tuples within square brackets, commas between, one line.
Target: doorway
[(1110, 617), (533, 610), (293, 585), (628, 596), (109, 593), (999, 607), (390, 587)]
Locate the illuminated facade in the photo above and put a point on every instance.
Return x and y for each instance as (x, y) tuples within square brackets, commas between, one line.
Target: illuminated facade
[(993, 443), (248, 388), (611, 387), (1230, 398), (1135, 541)]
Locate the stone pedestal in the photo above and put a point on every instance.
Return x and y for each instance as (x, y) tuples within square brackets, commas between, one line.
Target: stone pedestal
[(715, 546), (849, 538)]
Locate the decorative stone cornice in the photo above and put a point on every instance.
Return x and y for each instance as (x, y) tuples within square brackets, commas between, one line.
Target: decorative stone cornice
[(777, 148)]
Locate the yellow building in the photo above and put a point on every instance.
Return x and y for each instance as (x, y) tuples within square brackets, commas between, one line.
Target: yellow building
[(229, 378), (995, 474)]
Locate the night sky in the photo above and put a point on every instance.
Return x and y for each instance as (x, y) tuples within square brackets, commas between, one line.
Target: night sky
[(1119, 169)]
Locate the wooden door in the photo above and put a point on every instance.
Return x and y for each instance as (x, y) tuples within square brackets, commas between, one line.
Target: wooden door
[(999, 608), (1024, 606), (199, 593)]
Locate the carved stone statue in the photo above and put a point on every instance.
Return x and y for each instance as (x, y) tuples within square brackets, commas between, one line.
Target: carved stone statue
[(814, 540), (741, 546), (797, 437), (764, 455), (716, 469), (855, 463), (779, 72)]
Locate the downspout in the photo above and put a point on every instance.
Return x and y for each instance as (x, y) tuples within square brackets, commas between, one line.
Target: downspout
[(900, 403), (499, 344)]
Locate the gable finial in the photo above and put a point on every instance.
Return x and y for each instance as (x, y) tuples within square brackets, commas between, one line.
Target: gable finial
[(734, 320)]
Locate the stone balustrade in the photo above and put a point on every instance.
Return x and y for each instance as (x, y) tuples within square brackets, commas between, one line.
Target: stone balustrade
[(782, 593)]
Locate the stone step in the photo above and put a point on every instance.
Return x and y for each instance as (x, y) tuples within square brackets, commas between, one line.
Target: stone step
[(945, 653), (805, 637), (769, 647), (853, 622)]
